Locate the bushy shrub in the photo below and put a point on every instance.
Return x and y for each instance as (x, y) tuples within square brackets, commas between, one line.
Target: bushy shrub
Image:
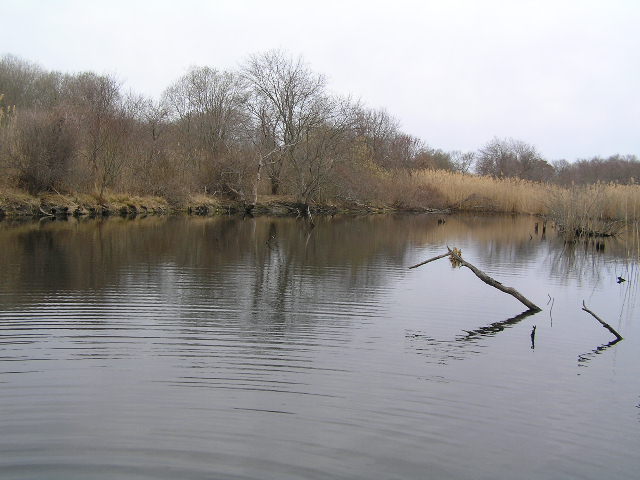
[(41, 150)]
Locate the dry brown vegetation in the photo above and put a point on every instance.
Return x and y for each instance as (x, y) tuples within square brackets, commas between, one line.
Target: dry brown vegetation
[(269, 132), (578, 210)]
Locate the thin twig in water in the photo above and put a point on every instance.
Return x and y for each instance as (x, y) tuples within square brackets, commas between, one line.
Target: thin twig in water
[(430, 260), (602, 322)]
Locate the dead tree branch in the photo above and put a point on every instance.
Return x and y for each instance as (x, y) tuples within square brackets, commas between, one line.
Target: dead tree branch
[(494, 283), (430, 260), (485, 278), (46, 213), (602, 322)]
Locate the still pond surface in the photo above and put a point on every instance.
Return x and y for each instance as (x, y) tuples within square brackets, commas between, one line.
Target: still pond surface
[(222, 348)]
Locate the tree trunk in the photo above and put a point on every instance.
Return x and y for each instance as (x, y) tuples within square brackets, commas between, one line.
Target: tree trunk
[(275, 186)]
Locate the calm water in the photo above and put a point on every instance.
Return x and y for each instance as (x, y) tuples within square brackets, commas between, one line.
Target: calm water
[(227, 349)]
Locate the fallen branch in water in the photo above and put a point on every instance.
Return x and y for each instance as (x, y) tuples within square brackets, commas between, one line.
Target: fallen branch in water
[(484, 277), (604, 324), (430, 260)]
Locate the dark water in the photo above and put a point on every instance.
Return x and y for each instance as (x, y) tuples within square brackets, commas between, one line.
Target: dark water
[(227, 349)]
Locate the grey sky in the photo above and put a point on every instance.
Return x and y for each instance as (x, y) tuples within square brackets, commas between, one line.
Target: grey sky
[(562, 75)]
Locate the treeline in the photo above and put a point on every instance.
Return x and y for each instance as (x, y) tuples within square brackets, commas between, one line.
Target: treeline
[(270, 127), (516, 159)]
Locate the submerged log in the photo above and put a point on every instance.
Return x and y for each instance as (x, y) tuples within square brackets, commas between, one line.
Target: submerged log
[(484, 277), (602, 322)]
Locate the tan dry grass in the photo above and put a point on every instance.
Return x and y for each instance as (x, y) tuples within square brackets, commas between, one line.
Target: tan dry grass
[(598, 209), (13, 201), (116, 201), (471, 192)]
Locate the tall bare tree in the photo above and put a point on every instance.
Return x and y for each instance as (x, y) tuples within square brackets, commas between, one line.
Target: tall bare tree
[(209, 111), (104, 119), (289, 103)]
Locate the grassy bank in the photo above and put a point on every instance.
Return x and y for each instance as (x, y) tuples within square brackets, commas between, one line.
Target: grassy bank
[(14, 203), (17, 203)]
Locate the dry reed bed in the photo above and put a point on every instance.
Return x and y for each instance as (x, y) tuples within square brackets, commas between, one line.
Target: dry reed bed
[(470, 192), (606, 202)]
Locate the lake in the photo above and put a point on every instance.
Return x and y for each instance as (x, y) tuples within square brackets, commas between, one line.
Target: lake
[(223, 348)]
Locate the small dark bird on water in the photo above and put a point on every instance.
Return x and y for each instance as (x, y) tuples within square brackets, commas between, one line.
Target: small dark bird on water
[(620, 280)]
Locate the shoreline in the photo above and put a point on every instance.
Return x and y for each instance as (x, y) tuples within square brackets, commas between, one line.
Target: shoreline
[(16, 205)]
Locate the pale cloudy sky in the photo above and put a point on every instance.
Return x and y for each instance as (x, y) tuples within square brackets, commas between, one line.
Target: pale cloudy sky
[(561, 75)]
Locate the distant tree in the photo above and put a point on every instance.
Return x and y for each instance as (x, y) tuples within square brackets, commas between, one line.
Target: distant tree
[(17, 80), (375, 130), (405, 150), (462, 161), (623, 169), (434, 159), (562, 171), (512, 158), (26, 85)]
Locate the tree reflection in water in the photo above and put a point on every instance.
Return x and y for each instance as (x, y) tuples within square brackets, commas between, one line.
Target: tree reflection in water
[(462, 346)]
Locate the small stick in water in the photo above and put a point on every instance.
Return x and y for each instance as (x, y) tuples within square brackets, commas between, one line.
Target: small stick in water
[(533, 337), (430, 260), (604, 324)]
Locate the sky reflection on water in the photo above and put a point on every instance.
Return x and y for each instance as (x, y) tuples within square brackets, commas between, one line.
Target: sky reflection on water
[(230, 348)]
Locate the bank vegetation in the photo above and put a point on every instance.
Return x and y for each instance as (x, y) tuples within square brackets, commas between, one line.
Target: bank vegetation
[(269, 133)]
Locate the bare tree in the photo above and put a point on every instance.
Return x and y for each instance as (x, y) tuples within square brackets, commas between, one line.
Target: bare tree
[(322, 150), (209, 109), (405, 150), (462, 161), (375, 130), (512, 158), (104, 120), (41, 150), (623, 169), (151, 172), (289, 102)]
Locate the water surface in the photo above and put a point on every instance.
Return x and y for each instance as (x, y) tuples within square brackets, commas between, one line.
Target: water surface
[(200, 348)]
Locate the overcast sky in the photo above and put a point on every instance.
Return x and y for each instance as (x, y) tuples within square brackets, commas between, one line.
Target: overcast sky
[(561, 75)]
